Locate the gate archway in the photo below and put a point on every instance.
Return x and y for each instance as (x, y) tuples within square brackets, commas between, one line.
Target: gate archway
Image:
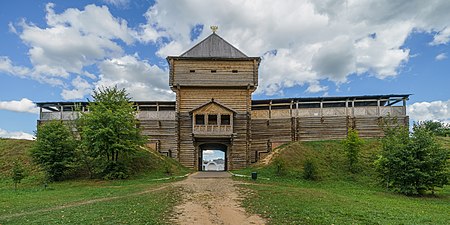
[(213, 157)]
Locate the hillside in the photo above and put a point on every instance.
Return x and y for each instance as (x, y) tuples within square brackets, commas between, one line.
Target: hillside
[(145, 162), (338, 197), (327, 156)]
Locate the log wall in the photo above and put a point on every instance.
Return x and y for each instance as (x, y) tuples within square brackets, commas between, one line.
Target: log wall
[(220, 73)]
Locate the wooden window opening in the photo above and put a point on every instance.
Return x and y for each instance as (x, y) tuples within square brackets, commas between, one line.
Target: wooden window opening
[(192, 71), (212, 119), (225, 120), (234, 71), (213, 71), (200, 119)]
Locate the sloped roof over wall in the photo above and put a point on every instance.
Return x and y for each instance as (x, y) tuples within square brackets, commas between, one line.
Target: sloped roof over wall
[(213, 47)]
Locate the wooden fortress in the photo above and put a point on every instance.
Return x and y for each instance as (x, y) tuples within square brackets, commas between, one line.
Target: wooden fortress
[(214, 110)]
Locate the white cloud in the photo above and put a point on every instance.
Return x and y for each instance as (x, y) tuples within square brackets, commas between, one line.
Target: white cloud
[(81, 89), (117, 3), (141, 79), (24, 105), (208, 152), (7, 66), (442, 37), (441, 56), (16, 135), (436, 110), (70, 42), (316, 87), (303, 42)]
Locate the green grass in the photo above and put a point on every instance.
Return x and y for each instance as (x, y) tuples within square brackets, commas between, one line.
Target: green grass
[(82, 201), (338, 197), (128, 204)]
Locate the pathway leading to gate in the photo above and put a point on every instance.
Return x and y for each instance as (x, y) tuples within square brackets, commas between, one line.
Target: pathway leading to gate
[(211, 198)]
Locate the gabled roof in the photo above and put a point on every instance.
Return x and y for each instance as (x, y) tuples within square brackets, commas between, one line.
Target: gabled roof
[(212, 101), (213, 47)]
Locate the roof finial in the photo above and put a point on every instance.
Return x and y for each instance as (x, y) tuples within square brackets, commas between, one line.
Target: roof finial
[(214, 28)]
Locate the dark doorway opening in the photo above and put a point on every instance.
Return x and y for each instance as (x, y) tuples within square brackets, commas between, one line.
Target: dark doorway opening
[(212, 157)]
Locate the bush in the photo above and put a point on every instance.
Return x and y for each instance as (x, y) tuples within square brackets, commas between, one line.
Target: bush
[(17, 173), (280, 166), (54, 149), (352, 147), (413, 164), (309, 170)]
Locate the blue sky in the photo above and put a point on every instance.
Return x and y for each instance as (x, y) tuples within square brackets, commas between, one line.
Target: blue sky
[(62, 50)]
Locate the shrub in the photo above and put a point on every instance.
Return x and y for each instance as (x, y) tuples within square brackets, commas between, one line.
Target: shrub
[(352, 146), (413, 164), (280, 166), (17, 173), (309, 170), (54, 149)]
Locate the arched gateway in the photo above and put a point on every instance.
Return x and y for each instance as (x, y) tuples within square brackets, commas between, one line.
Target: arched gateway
[(214, 110)]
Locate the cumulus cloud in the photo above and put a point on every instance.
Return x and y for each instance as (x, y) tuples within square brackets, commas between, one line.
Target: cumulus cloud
[(142, 80), (117, 3), (6, 66), (16, 135), (435, 110), (81, 89), (303, 42), (441, 56), (70, 42), (24, 105)]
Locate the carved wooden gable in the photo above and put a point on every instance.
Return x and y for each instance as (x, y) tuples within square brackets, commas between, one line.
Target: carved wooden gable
[(213, 107)]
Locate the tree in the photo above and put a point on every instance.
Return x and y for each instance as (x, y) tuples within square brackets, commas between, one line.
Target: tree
[(54, 149), (413, 164), (109, 131), (17, 173), (437, 128), (352, 147)]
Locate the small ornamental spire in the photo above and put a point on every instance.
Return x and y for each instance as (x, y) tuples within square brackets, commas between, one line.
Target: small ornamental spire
[(214, 28)]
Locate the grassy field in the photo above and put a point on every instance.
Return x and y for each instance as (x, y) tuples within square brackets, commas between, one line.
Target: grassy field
[(338, 197), (139, 200)]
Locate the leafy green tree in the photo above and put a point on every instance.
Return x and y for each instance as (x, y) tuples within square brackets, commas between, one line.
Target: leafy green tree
[(109, 131), (413, 164), (17, 173), (352, 147), (436, 127), (54, 149)]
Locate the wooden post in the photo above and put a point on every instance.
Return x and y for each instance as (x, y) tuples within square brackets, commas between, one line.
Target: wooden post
[(378, 107), (353, 108), (404, 106), (346, 107), (270, 109), (61, 108), (321, 108)]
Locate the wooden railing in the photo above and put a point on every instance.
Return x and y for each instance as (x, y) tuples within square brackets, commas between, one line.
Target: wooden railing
[(213, 129)]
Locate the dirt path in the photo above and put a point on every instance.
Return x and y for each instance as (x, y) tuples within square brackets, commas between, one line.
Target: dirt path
[(211, 198)]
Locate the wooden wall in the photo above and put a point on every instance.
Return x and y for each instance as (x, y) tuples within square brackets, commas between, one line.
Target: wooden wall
[(245, 73), (236, 99), (162, 132)]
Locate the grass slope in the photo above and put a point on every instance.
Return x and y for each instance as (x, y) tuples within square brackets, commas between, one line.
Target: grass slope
[(338, 197), (140, 199)]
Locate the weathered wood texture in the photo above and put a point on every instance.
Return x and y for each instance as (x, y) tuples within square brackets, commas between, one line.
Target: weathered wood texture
[(188, 155), (217, 73), (236, 99), (163, 133)]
